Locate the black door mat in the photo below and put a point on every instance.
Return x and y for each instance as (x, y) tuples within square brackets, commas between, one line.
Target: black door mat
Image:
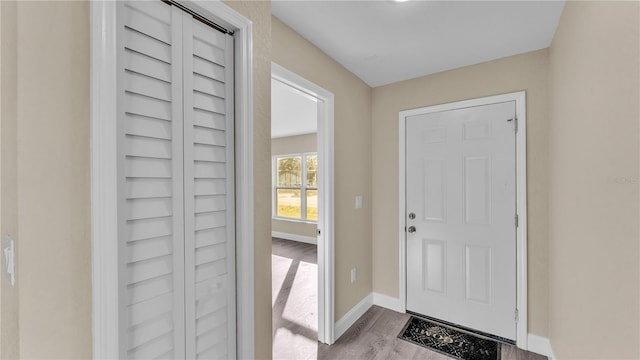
[(448, 341)]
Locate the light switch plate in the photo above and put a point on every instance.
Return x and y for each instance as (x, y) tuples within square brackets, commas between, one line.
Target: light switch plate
[(9, 259), (358, 201)]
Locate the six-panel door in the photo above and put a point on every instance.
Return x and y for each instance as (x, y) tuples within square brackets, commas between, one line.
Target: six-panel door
[(460, 184)]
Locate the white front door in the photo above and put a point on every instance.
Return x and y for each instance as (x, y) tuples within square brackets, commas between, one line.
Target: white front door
[(461, 217)]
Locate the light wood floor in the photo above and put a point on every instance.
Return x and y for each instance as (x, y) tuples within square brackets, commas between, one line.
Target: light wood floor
[(373, 336)]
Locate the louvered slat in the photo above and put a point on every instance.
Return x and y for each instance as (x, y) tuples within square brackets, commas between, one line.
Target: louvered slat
[(159, 348), (149, 248), (207, 136), (148, 188), (142, 146), (144, 167), (208, 52), (204, 152), (148, 228), (208, 86), (146, 23), (210, 187), (149, 289), (146, 126), (210, 236), (209, 69), (210, 203), (146, 65), (211, 270), (147, 45), (148, 86)]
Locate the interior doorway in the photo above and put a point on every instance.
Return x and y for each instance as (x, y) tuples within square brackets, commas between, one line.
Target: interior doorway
[(302, 177)]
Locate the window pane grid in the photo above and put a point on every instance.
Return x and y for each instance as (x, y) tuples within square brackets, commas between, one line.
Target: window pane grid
[(296, 186)]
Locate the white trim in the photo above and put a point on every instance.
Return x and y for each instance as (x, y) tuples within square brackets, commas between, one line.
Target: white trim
[(353, 315), (521, 209), (402, 213), (325, 199), (295, 237), (388, 302), (104, 225), (295, 133), (541, 345), (521, 197), (104, 183)]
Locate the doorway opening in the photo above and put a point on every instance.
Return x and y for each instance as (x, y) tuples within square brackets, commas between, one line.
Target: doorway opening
[(302, 219)]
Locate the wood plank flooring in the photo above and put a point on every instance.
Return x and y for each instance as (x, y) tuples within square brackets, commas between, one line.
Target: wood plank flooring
[(294, 289), (373, 336)]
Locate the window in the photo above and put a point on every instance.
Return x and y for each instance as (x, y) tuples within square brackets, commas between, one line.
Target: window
[(296, 186)]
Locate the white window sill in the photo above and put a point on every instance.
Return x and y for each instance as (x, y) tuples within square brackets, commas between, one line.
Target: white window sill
[(311, 222)]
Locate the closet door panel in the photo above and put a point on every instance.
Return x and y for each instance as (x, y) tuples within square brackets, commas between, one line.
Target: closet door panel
[(209, 192), (151, 184)]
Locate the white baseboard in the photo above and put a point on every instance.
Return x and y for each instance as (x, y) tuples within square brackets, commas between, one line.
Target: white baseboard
[(295, 237), (388, 302), (352, 316), (540, 345)]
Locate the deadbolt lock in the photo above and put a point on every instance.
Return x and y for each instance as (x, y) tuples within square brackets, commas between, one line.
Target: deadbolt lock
[(412, 216)]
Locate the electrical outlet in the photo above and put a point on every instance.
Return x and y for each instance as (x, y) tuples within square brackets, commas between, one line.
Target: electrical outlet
[(353, 275), (359, 202)]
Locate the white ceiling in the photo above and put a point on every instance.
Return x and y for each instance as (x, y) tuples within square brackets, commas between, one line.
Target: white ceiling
[(292, 111), (385, 41)]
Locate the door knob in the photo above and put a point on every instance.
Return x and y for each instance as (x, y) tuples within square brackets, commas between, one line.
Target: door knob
[(412, 229)]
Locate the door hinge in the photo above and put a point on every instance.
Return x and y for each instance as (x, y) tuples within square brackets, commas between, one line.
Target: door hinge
[(517, 316), (515, 123), (517, 220)]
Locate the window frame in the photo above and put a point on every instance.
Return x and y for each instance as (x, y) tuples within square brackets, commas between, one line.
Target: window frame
[(303, 187)]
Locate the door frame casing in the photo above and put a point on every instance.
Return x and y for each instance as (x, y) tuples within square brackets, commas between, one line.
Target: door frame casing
[(521, 197), (326, 302), (104, 165)]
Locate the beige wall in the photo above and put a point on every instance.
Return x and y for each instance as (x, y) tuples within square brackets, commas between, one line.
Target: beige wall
[(294, 144), (54, 273), (522, 72), (9, 340), (352, 159), (291, 145), (259, 12), (593, 182)]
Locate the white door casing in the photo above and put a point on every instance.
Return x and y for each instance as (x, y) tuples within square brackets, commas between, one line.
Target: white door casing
[(518, 274), (326, 205)]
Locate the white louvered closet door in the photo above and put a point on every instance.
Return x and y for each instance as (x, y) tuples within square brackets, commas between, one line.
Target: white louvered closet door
[(209, 192), (176, 193)]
